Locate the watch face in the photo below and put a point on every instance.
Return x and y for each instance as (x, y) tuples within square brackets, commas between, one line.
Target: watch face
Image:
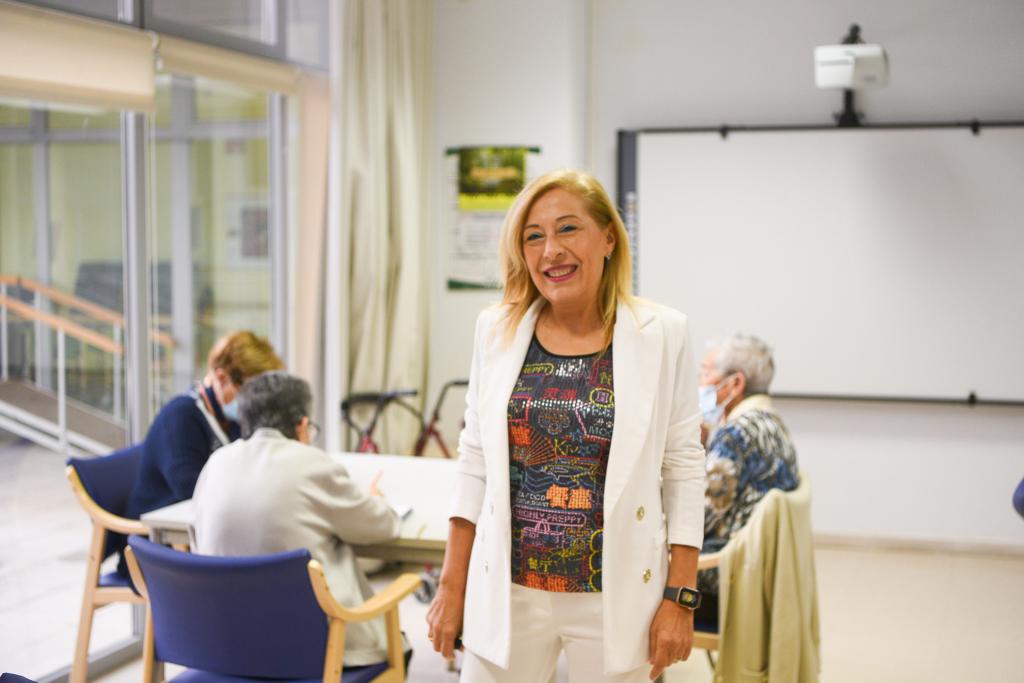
[(685, 597)]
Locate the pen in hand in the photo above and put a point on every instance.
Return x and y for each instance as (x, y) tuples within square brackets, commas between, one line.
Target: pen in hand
[(374, 491)]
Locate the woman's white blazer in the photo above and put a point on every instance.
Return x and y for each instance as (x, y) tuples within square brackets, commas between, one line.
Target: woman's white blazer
[(654, 486)]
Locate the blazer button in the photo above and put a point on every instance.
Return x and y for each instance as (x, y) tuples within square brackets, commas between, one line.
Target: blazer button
[(647, 575), (492, 508), (640, 513), (485, 568)]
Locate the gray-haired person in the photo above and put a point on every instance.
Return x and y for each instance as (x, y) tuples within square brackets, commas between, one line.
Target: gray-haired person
[(749, 451), (274, 492)]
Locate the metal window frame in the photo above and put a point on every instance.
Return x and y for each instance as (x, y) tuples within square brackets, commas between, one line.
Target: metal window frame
[(138, 354), (137, 304), (106, 660), (126, 11), (277, 224), (182, 272), (273, 12), (134, 136), (44, 243), (136, 289), (141, 14)]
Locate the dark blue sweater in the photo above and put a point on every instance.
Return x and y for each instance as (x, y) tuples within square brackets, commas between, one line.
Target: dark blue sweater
[(178, 444)]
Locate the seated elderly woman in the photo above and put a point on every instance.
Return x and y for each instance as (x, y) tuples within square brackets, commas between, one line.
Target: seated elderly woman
[(194, 424), (748, 448), (274, 492)]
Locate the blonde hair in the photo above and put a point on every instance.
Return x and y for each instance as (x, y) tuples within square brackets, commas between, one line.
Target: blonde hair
[(243, 355), (616, 280)]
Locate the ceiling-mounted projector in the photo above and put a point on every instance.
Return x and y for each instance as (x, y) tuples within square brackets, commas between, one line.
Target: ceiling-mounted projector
[(850, 67)]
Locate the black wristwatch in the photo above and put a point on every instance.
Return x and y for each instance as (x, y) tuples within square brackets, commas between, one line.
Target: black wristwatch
[(684, 597)]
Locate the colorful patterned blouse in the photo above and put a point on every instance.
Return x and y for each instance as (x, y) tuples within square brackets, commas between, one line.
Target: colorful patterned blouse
[(746, 457), (560, 419)]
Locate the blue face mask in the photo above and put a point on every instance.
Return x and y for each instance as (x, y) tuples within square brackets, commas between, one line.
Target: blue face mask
[(709, 405), (231, 410), (708, 402)]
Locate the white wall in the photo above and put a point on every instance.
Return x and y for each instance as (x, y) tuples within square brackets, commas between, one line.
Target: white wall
[(888, 471), (922, 473), (553, 73), (684, 62), (505, 73)]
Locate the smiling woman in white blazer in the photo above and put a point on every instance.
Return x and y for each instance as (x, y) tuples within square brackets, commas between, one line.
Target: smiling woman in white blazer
[(566, 265)]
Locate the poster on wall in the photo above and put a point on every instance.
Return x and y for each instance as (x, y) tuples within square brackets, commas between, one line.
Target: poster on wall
[(248, 233), (483, 182)]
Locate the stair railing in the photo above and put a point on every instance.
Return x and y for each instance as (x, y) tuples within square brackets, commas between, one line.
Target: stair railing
[(64, 328)]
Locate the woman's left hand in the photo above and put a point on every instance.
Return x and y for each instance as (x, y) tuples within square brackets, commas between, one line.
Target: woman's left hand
[(671, 637)]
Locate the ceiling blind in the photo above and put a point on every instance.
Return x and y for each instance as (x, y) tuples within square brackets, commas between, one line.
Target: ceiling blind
[(52, 57)]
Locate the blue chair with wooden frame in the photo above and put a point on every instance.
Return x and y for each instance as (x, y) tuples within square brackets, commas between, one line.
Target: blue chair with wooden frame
[(8, 677), (102, 486), (232, 619)]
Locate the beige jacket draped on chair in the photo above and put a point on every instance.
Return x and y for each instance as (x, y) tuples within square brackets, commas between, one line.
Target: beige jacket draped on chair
[(769, 601)]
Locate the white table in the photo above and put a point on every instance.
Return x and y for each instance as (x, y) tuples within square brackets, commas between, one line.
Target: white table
[(423, 483)]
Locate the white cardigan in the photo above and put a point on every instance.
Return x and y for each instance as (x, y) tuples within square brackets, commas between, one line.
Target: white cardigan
[(655, 476)]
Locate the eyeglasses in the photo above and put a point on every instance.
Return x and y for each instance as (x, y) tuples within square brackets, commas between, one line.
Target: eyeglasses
[(314, 431)]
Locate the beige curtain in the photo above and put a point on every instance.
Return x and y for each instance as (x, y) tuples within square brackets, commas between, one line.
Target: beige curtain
[(386, 188)]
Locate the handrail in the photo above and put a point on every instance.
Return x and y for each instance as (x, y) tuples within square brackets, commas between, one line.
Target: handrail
[(71, 301), (74, 329)]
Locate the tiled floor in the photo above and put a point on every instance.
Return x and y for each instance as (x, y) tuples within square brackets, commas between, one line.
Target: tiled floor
[(44, 540), (905, 617)]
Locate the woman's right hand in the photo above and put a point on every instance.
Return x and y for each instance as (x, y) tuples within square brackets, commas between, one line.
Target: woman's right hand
[(444, 620)]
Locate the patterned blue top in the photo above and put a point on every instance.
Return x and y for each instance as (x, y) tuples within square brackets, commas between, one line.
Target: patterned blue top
[(746, 457), (560, 419)]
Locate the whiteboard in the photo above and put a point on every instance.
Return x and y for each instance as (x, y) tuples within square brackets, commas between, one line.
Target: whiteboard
[(876, 262)]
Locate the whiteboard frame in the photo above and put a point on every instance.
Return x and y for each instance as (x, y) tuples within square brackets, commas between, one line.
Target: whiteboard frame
[(627, 197)]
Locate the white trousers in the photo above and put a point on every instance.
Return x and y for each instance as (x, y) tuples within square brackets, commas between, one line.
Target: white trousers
[(543, 624)]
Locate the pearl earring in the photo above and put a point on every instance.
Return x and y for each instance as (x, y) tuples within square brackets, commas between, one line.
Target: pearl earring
[(608, 257)]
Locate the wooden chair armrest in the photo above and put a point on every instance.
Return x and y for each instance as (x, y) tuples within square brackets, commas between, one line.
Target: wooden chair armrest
[(135, 571), (111, 522), (379, 604), (709, 561)]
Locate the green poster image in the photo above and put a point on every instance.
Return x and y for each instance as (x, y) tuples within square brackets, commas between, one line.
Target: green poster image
[(490, 177), (485, 182)]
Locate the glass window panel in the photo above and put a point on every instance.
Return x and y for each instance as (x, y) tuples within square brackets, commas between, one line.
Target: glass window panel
[(66, 195), (86, 253), (85, 219), (162, 235), (83, 119), (215, 101), (14, 117), (18, 250), (308, 24), (104, 9), (17, 211), (247, 19), (162, 119), (211, 206)]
